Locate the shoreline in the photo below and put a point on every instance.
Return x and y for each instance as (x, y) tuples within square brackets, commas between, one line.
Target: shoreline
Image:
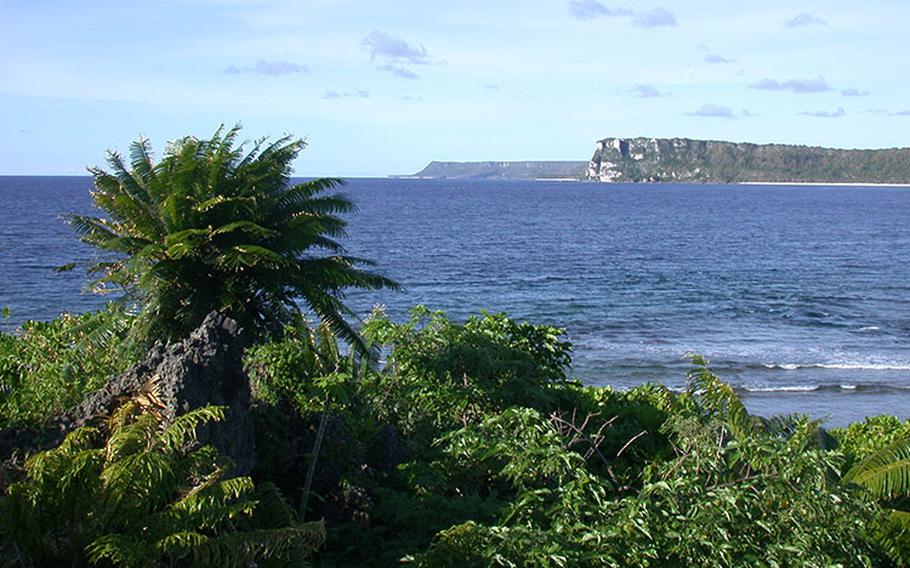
[(823, 183)]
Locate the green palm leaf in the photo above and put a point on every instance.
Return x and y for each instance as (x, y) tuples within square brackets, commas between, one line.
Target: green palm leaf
[(212, 226), (885, 473)]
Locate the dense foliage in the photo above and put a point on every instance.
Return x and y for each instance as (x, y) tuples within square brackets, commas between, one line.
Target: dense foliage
[(140, 498), (510, 463), (47, 367), (468, 445), (214, 226)]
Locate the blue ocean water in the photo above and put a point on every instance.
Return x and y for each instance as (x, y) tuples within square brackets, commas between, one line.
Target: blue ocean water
[(799, 296)]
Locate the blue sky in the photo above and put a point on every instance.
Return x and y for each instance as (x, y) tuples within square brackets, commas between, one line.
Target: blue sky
[(384, 87)]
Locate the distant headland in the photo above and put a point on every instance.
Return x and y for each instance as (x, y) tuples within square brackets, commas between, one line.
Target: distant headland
[(686, 160)]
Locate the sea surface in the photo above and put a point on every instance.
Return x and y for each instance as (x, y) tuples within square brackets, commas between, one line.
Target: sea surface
[(799, 296)]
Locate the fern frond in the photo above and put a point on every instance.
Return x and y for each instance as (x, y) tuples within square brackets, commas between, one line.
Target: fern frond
[(243, 548), (886, 473), (182, 430), (120, 550), (719, 398)]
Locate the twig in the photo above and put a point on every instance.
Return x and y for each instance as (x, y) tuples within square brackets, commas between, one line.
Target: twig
[(629, 443)]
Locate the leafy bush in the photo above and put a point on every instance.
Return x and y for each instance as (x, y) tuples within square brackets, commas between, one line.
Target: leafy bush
[(304, 367), (142, 499), (440, 374), (47, 367), (862, 439), (736, 493)]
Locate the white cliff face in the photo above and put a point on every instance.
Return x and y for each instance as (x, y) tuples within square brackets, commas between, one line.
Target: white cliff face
[(608, 155), (699, 161), (635, 159)]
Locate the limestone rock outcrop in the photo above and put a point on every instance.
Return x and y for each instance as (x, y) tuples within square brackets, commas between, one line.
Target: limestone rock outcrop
[(204, 369)]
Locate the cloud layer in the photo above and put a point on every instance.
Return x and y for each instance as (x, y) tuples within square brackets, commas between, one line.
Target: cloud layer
[(714, 58), (805, 19), (270, 68), (646, 92), (590, 9), (799, 86), (885, 112), (391, 49), (719, 111), (358, 94), (398, 71), (390, 53), (825, 114)]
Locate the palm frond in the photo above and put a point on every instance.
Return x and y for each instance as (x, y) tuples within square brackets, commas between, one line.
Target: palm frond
[(719, 398), (886, 473)]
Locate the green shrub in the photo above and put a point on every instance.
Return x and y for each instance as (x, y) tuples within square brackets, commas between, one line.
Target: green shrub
[(737, 492), (48, 367), (142, 499), (305, 368), (440, 374), (862, 439)]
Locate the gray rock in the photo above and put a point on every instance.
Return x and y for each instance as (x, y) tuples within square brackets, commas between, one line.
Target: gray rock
[(204, 369)]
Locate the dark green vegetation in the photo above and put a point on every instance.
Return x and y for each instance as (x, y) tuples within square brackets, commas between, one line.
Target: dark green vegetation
[(468, 446), (697, 161), (465, 444), (138, 498), (211, 227)]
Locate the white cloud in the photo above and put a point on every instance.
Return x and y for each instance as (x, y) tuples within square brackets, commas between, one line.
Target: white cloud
[(587, 9), (884, 112), (358, 94), (655, 18), (392, 49), (825, 114), (805, 19), (271, 68), (590, 9), (798, 86), (399, 71), (718, 111), (714, 58), (646, 92)]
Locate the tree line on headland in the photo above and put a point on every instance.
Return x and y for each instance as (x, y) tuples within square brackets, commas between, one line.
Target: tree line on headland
[(225, 411), (683, 160)]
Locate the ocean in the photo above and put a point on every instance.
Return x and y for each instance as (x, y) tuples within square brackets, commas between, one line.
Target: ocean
[(799, 296)]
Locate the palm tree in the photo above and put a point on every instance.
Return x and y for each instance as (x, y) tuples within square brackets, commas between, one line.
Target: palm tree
[(215, 227)]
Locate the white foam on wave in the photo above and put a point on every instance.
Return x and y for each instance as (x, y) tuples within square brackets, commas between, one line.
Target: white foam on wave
[(870, 328), (783, 388), (841, 366), (866, 366)]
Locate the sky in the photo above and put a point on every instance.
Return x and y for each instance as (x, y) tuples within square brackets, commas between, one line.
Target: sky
[(379, 88)]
